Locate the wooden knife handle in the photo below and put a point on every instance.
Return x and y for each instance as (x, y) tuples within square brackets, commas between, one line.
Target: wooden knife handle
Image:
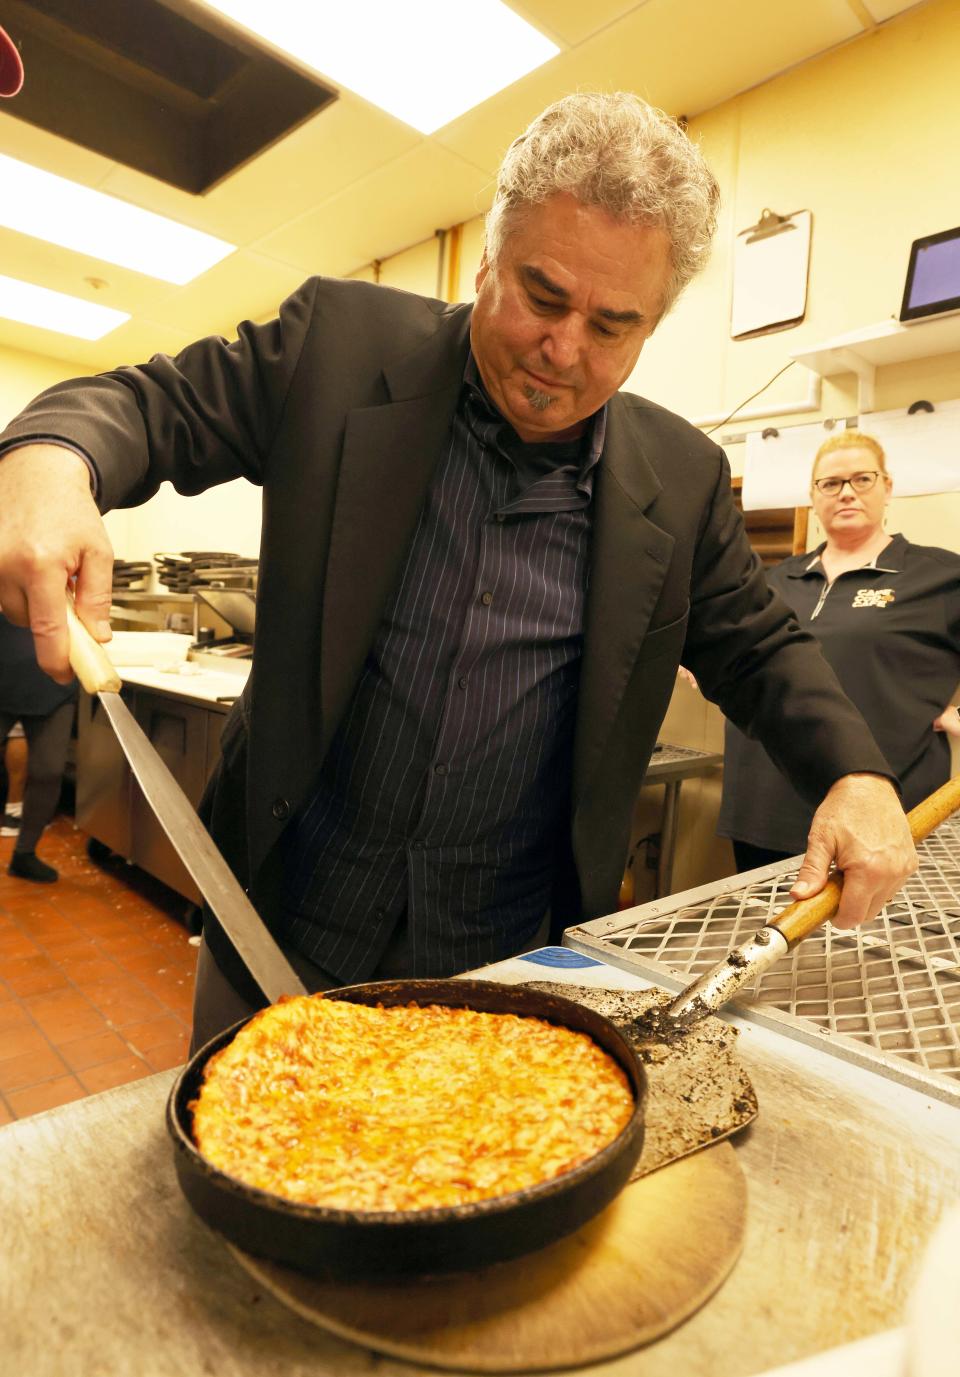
[(800, 919), (88, 659)]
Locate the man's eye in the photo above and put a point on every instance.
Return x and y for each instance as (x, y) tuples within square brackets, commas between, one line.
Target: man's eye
[(604, 330), (541, 304)]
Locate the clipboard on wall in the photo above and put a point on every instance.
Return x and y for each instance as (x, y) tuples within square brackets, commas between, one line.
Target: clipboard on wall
[(771, 262)]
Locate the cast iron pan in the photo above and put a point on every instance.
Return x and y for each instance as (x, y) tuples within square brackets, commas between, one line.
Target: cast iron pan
[(366, 1243)]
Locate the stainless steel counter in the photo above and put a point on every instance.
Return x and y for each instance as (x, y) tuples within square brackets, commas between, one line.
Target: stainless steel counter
[(105, 1272)]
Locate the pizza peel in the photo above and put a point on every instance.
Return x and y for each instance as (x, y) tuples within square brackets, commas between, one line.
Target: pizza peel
[(752, 958), (176, 815), (699, 1093)]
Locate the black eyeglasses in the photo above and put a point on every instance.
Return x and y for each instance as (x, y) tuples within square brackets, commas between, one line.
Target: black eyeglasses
[(859, 482)]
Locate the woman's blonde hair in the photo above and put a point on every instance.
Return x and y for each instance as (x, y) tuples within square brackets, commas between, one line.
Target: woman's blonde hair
[(851, 439)]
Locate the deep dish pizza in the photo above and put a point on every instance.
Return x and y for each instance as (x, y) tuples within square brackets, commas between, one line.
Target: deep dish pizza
[(360, 1107)]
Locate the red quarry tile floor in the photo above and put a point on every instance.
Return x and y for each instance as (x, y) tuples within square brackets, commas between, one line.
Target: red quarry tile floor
[(96, 977)]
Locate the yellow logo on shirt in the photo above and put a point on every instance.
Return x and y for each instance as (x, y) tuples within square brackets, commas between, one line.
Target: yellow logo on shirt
[(873, 597)]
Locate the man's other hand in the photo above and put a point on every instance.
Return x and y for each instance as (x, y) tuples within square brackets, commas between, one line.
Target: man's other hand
[(50, 532), (860, 826)]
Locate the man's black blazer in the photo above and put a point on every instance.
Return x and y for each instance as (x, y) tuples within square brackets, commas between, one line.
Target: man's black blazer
[(340, 408)]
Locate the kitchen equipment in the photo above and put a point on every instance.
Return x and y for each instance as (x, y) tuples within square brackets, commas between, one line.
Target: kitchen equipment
[(237, 606), (883, 997), (193, 844), (748, 961), (363, 1243), (635, 1272)]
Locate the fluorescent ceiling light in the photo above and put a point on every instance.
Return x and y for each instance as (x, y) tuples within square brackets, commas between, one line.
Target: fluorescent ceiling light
[(67, 315), (76, 217), (425, 61)]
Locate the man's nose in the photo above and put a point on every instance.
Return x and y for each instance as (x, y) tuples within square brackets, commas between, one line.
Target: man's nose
[(562, 342)]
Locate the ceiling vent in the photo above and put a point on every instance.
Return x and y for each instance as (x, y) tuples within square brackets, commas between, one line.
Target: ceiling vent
[(165, 88)]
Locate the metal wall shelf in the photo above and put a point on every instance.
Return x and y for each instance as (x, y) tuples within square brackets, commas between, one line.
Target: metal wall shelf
[(865, 350)]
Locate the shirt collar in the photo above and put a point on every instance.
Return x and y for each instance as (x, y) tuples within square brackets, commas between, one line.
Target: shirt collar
[(892, 556), (591, 443)]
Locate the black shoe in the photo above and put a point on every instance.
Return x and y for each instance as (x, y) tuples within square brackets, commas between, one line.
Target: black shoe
[(26, 865), (9, 825)]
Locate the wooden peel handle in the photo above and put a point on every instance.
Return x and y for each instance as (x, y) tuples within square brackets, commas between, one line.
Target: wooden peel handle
[(802, 918), (88, 659)]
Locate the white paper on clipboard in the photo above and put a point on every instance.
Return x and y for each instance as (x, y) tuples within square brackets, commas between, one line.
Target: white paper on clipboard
[(771, 260)]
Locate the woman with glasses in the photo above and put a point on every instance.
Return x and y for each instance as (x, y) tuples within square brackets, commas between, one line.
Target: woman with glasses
[(887, 616)]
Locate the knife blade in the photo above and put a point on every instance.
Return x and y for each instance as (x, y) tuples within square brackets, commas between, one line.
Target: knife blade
[(190, 839)]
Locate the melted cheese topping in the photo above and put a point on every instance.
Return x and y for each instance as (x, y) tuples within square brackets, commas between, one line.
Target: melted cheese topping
[(355, 1107)]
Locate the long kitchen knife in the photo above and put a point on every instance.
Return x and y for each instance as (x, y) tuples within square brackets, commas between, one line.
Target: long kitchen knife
[(191, 841), (752, 958)]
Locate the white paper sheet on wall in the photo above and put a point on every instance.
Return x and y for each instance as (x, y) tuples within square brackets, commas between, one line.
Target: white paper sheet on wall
[(771, 260), (922, 450), (776, 470)]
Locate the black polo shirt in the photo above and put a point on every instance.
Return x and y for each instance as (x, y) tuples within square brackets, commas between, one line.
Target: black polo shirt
[(891, 632)]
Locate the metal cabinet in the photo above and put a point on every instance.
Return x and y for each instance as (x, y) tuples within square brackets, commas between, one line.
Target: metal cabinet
[(110, 806)]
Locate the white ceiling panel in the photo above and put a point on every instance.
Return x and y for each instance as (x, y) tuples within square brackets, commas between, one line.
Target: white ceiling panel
[(326, 154), (571, 21), (881, 10), (683, 55), (396, 206), (133, 342), (246, 285), (46, 265)]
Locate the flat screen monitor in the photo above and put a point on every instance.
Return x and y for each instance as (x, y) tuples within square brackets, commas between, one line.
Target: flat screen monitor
[(933, 276)]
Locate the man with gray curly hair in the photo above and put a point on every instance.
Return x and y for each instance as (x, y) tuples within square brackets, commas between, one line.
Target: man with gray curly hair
[(623, 156), (480, 564)]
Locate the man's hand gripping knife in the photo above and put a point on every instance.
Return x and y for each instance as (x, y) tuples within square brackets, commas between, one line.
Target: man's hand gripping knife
[(52, 532)]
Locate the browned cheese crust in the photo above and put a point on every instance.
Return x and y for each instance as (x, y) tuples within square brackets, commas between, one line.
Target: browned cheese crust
[(355, 1107)]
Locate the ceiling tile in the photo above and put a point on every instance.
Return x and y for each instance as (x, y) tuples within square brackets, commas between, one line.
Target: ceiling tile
[(341, 144), (882, 10), (130, 343), (246, 286), (683, 55), (571, 21), (393, 208), (62, 270)]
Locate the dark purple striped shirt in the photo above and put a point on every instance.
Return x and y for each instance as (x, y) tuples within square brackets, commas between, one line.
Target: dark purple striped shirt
[(446, 787)]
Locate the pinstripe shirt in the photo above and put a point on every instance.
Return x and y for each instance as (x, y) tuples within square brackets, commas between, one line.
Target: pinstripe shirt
[(446, 787)]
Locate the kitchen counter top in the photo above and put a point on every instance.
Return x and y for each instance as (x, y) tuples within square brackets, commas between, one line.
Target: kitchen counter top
[(198, 681), (105, 1271)]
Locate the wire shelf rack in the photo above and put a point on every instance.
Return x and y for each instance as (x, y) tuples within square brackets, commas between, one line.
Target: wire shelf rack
[(886, 994)]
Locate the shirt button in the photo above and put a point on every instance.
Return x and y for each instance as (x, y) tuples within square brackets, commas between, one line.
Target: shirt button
[(462, 681), (416, 846), (486, 598), (500, 516), (440, 769), (280, 809)]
